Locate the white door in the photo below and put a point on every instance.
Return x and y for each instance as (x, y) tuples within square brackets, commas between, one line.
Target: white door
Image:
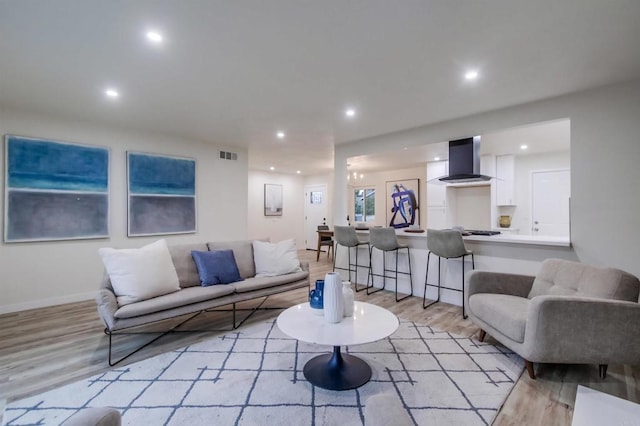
[(315, 213), (551, 191)]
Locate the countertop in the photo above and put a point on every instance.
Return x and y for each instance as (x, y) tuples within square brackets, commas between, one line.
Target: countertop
[(498, 239)]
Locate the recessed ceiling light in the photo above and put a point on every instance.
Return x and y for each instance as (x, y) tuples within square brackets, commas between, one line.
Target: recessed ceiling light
[(112, 93), (280, 135), (350, 112), (154, 37), (471, 75), (436, 158), (524, 146), (272, 168), (298, 171)]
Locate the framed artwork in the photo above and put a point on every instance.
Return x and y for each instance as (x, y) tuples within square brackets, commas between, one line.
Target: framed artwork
[(161, 194), (403, 203), (55, 190), (272, 199)]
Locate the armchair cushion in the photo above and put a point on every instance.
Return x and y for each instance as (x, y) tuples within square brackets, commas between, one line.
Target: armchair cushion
[(563, 278), (570, 329), (504, 312)]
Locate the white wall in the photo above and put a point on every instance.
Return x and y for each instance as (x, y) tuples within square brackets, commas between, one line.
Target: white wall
[(378, 180), (47, 273), (605, 149), (276, 228), (472, 206)]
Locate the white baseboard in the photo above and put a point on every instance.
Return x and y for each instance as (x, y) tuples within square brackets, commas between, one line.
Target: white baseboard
[(43, 303)]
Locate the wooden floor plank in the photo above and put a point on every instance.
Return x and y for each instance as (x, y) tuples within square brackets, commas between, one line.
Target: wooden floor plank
[(42, 349)]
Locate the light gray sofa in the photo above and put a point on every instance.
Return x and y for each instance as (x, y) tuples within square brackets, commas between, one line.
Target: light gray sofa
[(192, 298), (570, 313)]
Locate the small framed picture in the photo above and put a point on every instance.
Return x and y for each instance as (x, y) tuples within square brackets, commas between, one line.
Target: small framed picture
[(272, 199)]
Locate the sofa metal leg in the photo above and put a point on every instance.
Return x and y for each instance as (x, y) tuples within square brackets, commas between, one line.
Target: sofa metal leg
[(602, 371), (162, 334), (174, 329), (529, 366), (482, 335)]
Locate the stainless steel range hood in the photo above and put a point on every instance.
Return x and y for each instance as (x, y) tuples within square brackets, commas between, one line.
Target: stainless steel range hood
[(464, 162)]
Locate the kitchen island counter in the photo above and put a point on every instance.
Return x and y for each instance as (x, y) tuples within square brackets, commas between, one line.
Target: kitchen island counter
[(518, 254), (498, 238)]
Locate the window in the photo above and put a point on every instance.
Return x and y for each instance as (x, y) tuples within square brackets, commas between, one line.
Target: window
[(364, 205), (316, 197)]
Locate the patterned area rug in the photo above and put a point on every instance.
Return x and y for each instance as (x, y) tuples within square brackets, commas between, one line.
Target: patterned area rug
[(253, 376)]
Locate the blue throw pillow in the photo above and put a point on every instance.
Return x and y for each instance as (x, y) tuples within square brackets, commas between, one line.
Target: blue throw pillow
[(216, 267)]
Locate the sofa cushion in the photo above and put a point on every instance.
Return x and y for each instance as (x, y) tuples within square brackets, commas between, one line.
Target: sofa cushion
[(564, 278), (257, 283), (275, 259), (242, 252), (184, 264), (216, 267), (502, 312), (140, 274), (183, 297)]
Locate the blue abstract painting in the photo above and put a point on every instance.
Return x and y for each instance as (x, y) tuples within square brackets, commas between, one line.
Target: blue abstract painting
[(402, 203), (162, 194), (55, 190)]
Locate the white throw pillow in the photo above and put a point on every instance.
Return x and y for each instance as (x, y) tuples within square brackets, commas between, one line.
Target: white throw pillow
[(139, 274), (275, 259)]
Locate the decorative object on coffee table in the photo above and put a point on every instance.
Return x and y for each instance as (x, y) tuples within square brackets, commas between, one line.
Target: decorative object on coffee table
[(316, 299), (348, 298), (333, 303)]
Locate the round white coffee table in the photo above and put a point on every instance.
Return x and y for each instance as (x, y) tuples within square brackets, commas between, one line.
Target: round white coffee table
[(338, 371)]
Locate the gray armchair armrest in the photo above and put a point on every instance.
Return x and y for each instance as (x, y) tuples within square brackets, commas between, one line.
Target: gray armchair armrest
[(107, 306), (498, 283), (583, 330)]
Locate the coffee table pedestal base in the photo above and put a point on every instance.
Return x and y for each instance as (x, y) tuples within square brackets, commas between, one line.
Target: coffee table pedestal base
[(337, 371)]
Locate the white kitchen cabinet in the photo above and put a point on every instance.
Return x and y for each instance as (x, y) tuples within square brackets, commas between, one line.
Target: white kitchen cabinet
[(505, 174), (436, 195), (436, 192), (437, 218)]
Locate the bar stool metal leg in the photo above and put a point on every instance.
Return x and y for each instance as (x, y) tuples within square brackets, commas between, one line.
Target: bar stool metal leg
[(351, 268), (473, 266), (371, 274), (409, 273), (426, 283)]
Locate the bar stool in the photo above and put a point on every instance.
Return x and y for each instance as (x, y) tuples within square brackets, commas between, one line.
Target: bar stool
[(346, 236), (385, 240), (447, 244)]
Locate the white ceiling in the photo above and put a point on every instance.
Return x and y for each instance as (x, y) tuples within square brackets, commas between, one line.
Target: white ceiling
[(232, 73), (550, 136)]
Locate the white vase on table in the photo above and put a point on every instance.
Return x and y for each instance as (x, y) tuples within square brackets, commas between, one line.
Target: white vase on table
[(333, 300), (348, 298)]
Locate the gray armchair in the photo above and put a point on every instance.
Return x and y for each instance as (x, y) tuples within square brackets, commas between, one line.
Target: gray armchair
[(569, 313)]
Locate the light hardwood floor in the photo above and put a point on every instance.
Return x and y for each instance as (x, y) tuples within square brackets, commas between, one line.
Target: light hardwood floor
[(45, 348)]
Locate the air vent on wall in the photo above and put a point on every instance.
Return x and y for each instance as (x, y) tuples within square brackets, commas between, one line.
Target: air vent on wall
[(228, 155)]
